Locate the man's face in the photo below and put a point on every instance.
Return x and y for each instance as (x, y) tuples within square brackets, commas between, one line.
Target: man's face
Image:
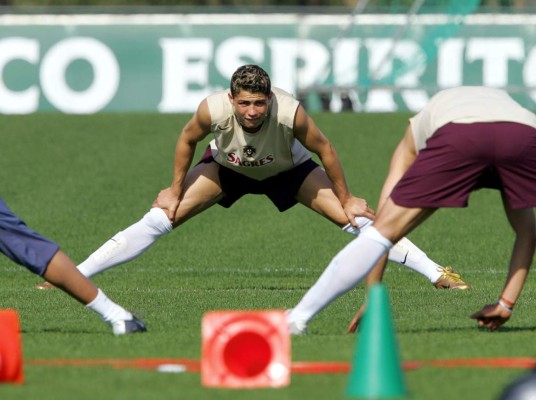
[(250, 109)]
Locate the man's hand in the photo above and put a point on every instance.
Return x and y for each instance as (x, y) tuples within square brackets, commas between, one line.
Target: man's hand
[(168, 200), (357, 207), (352, 328), (492, 316)]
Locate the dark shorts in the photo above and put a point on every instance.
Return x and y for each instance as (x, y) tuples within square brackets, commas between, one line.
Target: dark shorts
[(23, 245), (461, 158), (281, 189)]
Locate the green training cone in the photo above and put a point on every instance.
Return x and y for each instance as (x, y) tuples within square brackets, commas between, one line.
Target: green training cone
[(376, 369)]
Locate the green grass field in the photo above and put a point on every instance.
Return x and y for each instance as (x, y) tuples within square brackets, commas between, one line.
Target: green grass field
[(80, 179)]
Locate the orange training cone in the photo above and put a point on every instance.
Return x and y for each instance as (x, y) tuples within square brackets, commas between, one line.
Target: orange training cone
[(10, 348), (377, 371), (245, 349)]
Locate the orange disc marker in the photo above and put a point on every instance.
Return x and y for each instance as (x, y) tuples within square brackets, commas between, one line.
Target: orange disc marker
[(245, 349)]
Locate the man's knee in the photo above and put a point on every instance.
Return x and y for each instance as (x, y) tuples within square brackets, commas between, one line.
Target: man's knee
[(156, 219)]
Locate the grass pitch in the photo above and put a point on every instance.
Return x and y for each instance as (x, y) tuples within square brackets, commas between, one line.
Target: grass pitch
[(80, 179)]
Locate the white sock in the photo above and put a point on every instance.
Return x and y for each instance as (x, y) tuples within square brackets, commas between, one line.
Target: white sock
[(404, 252), (109, 311), (128, 244), (349, 267)]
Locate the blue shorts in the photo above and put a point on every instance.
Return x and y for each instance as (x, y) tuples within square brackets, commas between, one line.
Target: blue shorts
[(23, 245), (281, 189)]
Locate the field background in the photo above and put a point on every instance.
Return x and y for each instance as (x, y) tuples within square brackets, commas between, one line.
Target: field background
[(80, 179)]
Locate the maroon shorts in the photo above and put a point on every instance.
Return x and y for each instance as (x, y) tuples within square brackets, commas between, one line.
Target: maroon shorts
[(281, 189), (461, 158)]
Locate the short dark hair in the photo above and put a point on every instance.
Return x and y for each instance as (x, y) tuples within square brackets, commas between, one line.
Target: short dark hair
[(252, 78)]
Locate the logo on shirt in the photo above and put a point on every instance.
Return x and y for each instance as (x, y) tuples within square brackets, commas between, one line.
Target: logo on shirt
[(235, 159), (249, 152)]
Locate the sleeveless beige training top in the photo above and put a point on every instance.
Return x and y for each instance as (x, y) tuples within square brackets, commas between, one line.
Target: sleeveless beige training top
[(271, 150), (465, 105)]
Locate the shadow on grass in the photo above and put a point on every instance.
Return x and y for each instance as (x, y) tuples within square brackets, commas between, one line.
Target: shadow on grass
[(506, 329), (64, 331), (442, 329)]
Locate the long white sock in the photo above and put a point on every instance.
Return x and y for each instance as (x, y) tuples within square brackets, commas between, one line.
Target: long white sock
[(349, 267), (128, 244), (109, 311), (404, 252)]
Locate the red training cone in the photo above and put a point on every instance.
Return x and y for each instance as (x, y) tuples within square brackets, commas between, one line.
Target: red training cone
[(10, 348), (245, 349)]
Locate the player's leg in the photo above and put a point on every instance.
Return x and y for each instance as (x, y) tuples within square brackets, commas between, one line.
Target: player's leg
[(316, 193), (62, 273), (202, 190), (353, 263), (43, 257)]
